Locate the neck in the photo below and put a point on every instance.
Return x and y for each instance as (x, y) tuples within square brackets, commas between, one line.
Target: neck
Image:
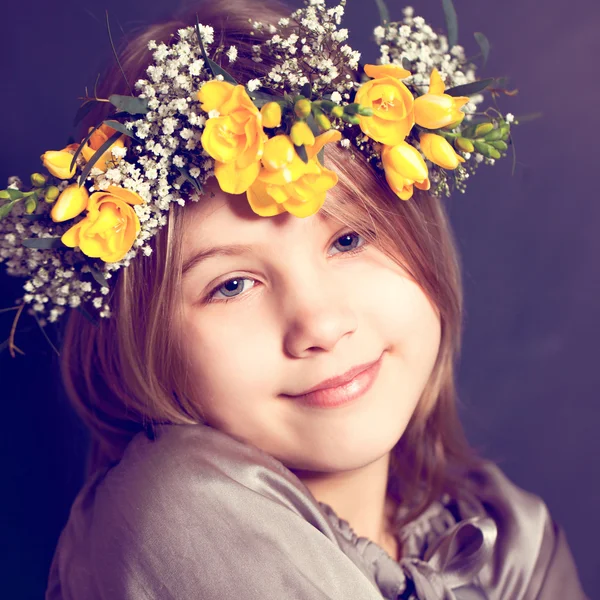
[(359, 497)]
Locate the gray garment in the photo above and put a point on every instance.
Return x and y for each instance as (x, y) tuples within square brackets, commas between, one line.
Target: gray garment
[(197, 514)]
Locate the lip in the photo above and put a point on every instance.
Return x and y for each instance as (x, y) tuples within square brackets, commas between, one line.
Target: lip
[(341, 390)]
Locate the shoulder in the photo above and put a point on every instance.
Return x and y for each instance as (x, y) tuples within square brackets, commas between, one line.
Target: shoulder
[(195, 513), (530, 548)]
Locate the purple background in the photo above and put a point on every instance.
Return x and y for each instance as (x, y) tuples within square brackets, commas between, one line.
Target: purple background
[(528, 377)]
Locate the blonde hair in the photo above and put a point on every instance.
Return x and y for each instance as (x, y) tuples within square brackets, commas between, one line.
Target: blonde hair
[(127, 374)]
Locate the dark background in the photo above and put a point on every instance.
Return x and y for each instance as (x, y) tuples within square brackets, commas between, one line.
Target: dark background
[(529, 373)]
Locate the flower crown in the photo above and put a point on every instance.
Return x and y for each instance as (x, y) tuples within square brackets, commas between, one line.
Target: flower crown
[(414, 115)]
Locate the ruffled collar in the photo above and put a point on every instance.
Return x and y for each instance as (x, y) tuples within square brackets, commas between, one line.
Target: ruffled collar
[(442, 552)]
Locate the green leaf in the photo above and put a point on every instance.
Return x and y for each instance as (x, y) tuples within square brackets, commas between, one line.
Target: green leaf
[(484, 44), (84, 110), (6, 208), (81, 146), (306, 90), (468, 89), (384, 13), (130, 104), (120, 127), (98, 276), (301, 150), (451, 22), (191, 179), (528, 117), (87, 315), (34, 217), (46, 243), (11, 194), (310, 121), (214, 67), (261, 98), (90, 164), (321, 155)]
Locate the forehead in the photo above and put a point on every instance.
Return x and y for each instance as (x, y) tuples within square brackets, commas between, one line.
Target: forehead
[(228, 219)]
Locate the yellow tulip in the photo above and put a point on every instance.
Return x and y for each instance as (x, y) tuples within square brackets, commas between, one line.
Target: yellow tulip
[(96, 140), (72, 201), (110, 226), (271, 114), (235, 139), (404, 167), (439, 151), (287, 184), (391, 102), (436, 109), (301, 134), (58, 162)]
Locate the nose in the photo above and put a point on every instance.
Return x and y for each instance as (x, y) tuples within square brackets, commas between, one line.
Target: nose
[(318, 313)]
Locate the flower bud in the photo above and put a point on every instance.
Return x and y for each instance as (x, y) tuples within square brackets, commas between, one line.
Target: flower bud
[(323, 122), (499, 145), (439, 151), (351, 109), (454, 125), (58, 163), (301, 134), (327, 105), (271, 114), (38, 180), (337, 111), (493, 135), (365, 111), (72, 201), (484, 149), (30, 204), (494, 153), (353, 119), (464, 144), (51, 194), (302, 108), (483, 129)]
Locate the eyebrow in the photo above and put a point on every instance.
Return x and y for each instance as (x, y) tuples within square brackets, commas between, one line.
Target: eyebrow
[(230, 250)]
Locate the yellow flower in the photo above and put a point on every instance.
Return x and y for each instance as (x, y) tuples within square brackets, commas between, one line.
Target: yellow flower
[(286, 183), (404, 167), (439, 151), (391, 101), (110, 226), (301, 134), (271, 114), (98, 138), (235, 139), (436, 109), (58, 162), (72, 201)]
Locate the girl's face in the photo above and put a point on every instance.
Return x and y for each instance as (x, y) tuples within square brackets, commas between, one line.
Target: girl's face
[(298, 301)]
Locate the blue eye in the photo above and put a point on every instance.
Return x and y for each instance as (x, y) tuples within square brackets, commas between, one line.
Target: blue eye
[(348, 244), (231, 288)]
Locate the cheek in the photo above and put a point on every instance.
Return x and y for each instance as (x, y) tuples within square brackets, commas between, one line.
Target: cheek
[(408, 319), (227, 362)]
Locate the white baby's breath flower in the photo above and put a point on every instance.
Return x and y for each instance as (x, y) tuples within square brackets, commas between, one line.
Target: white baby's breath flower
[(253, 84), (232, 54)]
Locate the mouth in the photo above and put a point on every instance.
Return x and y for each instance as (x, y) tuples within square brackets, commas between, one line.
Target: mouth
[(341, 390)]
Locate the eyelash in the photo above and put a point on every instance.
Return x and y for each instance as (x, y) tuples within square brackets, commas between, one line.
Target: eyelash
[(210, 298)]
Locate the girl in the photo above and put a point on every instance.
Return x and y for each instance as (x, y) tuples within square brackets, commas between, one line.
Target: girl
[(271, 400)]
